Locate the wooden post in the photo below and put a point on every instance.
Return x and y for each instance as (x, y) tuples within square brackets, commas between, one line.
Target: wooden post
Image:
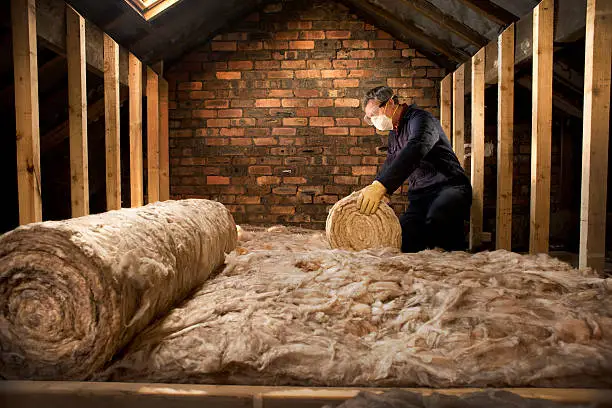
[(478, 85), (459, 113), (77, 117), (152, 135), (111, 115), (505, 131), (445, 104), (541, 126), (25, 59), (164, 147), (136, 177), (595, 134)]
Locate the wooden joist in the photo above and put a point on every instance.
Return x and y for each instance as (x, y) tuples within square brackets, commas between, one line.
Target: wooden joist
[(77, 112), (541, 126), (112, 138), (505, 131), (459, 114), (136, 170), (152, 136), (25, 57), (164, 147), (445, 104), (491, 11), (596, 128), (477, 167)]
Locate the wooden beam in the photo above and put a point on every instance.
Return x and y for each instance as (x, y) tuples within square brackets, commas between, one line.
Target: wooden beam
[(77, 113), (491, 11), (25, 59), (152, 136), (164, 147), (596, 128), (112, 117), (505, 133), (136, 177), (445, 103), (446, 21), (157, 8), (541, 126), (477, 168), (459, 114)]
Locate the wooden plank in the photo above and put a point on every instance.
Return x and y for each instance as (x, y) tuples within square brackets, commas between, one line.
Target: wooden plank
[(596, 128), (505, 138), (445, 104), (459, 114), (541, 126), (136, 176), (152, 136), (77, 112), (164, 142), (491, 11), (477, 168), (157, 8), (25, 60), (112, 116)]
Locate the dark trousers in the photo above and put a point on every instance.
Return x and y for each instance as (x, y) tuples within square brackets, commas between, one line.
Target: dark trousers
[(437, 220)]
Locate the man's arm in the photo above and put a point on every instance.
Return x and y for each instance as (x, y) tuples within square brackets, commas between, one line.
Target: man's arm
[(423, 135)]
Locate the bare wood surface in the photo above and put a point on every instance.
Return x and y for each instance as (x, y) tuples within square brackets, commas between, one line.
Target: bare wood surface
[(445, 104), (112, 106), (152, 136), (459, 114), (164, 141), (136, 170), (477, 168)]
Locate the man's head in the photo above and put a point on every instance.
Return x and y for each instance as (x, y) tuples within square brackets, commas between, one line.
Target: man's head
[(379, 103)]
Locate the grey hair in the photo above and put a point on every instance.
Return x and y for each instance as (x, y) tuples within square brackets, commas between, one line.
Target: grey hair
[(381, 94)]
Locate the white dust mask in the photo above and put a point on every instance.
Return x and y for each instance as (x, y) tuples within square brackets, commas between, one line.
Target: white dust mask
[(383, 122)]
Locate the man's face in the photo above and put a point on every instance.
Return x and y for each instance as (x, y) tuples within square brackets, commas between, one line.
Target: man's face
[(374, 108)]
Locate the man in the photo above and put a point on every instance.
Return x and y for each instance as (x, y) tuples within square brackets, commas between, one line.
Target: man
[(439, 192)]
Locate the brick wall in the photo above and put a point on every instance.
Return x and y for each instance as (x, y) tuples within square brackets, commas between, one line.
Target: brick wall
[(266, 117)]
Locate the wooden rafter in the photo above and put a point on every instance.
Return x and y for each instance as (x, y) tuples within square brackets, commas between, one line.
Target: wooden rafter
[(491, 11), (478, 145)]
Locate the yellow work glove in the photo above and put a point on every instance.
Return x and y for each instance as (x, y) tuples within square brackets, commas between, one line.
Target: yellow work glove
[(370, 198)]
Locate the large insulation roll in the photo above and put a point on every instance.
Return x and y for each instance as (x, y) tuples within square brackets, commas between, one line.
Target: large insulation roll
[(74, 292)]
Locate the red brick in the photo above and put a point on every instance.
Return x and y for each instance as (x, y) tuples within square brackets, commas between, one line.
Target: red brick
[(265, 141), (294, 180), (285, 190), (294, 103), (347, 103), (301, 45), (321, 103), (348, 121), (250, 46), (286, 35), (422, 62), (410, 93), (268, 103), (423, 82), (295, 121), (260, 170), (407, 53), (436, 72), (243, 122), (343, 160), (364, 170), (190, 86), (283, 132), (201, 95), (282, 210), (275, 45), (258, 132), (217, 180), (362, 54), (266, 180), (181, 133), (361, 73), (299, 64), (217, 141), (280, 74), (240, 65), (345, 64), (369, 131), (280, 93), (346, 180), (319, 64), (381, 44), (232, 132), (224, 46), (355, 44), (229, 75), (399, 82), (321, 121), (248, 200), (310, 73), (217, 103), (346, 83), (242, 103), (299, 25), (336, 131), (230, 113), (204, 113), (308, 112), (326, 199), (287, 141), (338, 35), (388, 54), (241, 141), (217, 122), (306, 93), (312, 35), (409, 72), (267, 64)]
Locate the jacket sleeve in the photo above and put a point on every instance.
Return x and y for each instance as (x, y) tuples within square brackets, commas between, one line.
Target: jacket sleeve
[(422, 136)]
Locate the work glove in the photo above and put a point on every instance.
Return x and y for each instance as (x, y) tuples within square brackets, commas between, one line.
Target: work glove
[(370, 197)]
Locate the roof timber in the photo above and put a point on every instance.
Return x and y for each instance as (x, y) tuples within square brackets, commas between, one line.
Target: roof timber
[(491, 11)]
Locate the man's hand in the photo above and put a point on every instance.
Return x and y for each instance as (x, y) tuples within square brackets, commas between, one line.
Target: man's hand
[(370, 198)]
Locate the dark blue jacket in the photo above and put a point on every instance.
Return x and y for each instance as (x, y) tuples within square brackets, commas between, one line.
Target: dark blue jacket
[(421, 153)]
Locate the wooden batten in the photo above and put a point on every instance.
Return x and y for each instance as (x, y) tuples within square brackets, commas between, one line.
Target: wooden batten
[(152, 136), (596, 128), (25, 59), (541, 127), (477, 167), (505, 131), (445, 104), (136, 170), (112, 106), (164, 142), (458, 122), (77, 117)]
